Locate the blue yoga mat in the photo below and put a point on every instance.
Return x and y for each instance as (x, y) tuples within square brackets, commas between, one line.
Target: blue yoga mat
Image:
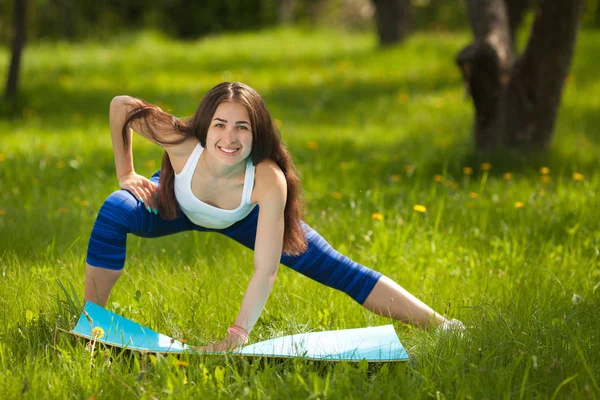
[(378, 343)]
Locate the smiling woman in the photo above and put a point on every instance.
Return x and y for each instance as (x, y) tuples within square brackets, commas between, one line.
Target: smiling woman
[(226, 170)]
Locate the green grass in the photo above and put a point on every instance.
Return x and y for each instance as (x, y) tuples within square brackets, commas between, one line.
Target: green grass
[(369, 131)]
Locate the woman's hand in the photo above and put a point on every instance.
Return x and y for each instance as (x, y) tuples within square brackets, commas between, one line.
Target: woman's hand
[(231, 343), (142, 188)]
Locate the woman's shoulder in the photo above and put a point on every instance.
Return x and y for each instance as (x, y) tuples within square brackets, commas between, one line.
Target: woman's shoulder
[(268, 178), (268, 170)]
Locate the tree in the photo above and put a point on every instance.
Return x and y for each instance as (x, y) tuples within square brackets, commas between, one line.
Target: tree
[(393, 20), (516, 99), (20, 9)]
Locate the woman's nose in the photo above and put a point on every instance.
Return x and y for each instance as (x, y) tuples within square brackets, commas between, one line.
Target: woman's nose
[(229, 135)]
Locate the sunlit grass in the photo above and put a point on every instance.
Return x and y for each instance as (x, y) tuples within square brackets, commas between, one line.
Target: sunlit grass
[(507, 243)]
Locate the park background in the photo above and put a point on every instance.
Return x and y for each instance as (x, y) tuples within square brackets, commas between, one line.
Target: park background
[(505, 239)]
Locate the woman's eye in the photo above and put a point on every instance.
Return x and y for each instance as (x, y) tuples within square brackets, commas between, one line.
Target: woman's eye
[(243, 127)]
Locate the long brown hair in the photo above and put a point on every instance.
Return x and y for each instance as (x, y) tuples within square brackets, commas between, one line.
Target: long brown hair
[(266, 144)]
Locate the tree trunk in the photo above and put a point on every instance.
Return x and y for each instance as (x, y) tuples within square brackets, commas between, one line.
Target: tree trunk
[(516, 11), (20, 9), (393, 19), (516, 102), (286, 11)]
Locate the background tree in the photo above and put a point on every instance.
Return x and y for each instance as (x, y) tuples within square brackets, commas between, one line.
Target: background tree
[(393, 20), (18, 42), (516, 98)]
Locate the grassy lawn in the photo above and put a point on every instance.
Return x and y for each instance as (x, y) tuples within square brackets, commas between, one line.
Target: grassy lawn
[(508, 248)]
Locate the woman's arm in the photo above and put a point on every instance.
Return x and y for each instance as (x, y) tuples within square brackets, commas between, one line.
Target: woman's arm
[(161, 131), (271, 197)]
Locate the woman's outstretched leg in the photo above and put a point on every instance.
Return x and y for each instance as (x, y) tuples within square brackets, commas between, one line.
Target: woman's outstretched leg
[(391, 300), (324, 264)]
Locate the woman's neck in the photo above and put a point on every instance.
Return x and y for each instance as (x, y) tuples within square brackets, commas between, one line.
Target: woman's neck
[(215, 170)]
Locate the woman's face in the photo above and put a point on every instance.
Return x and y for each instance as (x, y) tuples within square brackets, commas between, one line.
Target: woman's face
[(229, 136)]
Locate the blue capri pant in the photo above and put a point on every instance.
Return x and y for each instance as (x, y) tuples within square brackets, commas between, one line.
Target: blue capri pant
[(122, 213)]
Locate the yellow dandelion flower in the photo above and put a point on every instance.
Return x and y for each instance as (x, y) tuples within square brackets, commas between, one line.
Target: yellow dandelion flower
[(97, 332), (60, 164), (2, 158), (377, 216), (486, 166), (420, 208), (473, 195), (402, 98), (395, 157), (519, 204), (337, 195), (409, 168), (577, 176), (467, 170), (453, 185), (395, 178), (150, 163), (63, 210), (507, 176), (546, 178), (278, 123), (544, 170), (312, 145), (343, 165), (84, 203), (438, 178), (182, 363), (2, 212)]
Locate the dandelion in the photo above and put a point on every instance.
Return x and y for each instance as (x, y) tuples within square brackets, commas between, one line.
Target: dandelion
[(63, 211), (402, 98), (473, 195), (546, 178), (182, 363), (420, 208), (150, 163), (84, 203), (467, 170), (278, 123), (438, 178), (377, 216), (519, 204), (395, 178), (2, 158), (544, 170), (97, 333), (60, 164), (409, 168), (486, 166), (507, 176), (337, 195), (577, 176), (312, 145), (343, 165), (2, 212)]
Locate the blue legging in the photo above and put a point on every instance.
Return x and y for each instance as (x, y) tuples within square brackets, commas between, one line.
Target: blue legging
[(122, 213)]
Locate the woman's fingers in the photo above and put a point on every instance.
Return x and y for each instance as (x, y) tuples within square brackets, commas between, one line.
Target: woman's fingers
[(145, 191)]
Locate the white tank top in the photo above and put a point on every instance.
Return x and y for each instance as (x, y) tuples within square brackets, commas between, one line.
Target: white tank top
[(201, 213)]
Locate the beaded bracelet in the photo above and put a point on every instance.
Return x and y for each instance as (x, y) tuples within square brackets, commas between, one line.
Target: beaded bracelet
[(239, 332), (241, 328)]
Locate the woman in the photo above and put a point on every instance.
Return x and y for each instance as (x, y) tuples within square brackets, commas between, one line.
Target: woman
[(226, 170)]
